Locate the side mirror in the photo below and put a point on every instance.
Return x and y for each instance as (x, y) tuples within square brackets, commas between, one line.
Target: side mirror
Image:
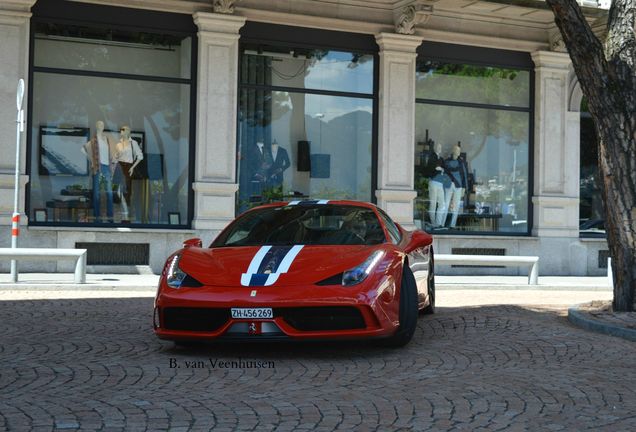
[(193, 242)]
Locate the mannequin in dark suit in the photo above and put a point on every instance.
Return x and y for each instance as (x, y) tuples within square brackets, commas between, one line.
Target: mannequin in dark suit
[(259, 162), (281, 163)]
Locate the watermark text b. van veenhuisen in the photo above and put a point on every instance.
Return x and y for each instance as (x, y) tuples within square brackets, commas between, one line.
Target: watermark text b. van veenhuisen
[(211, 363)]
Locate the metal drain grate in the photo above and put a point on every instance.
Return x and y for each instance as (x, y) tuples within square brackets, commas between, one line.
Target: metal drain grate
[(116, 253), (477, 251)]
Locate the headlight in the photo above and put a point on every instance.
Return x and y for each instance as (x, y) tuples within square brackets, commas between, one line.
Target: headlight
[(174, 275), (177, 278), (359, 273)]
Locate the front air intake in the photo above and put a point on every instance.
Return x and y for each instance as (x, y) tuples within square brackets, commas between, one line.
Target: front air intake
[(194, 319), (322, 318)]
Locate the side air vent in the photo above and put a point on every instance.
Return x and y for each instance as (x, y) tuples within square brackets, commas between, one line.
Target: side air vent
[(603, 255), (116, 253), (333, 280), (477, 251)]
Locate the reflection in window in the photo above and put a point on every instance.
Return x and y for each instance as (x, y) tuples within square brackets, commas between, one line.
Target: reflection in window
[(109, 150), (297, 144), (111, 50), (592, 217), (472, 162), (307, 68), (474, 84)]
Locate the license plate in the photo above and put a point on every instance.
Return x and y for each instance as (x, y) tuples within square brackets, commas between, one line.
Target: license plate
[(252, 313)]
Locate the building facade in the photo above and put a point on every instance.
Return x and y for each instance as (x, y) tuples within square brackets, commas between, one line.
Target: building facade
[(153, 121)]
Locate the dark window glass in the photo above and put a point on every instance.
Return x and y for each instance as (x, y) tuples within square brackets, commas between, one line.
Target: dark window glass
[(306, 225), (474, 84), (592, 217), (393, 230)]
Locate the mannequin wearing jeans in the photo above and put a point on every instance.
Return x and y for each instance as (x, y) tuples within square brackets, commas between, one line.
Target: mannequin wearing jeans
[(437, 185), (99, 153), (458, 172), (128, 155)]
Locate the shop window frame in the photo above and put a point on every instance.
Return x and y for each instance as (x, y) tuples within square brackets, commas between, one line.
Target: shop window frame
[(486, 57), (71, 13)]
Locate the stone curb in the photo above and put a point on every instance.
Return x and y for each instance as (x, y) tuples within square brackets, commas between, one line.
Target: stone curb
[(580, 319)]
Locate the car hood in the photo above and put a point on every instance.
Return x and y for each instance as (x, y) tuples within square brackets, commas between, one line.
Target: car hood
[(297, 265)]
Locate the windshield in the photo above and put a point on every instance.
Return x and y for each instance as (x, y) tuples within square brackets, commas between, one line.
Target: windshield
[(321, 224)]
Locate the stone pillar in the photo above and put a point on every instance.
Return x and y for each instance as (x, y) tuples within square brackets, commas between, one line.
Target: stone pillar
[(215, 183), (14, 52), (396, 125), (556, 150)]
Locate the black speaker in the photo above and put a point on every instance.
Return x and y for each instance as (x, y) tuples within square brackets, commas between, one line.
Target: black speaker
[(304, 161)]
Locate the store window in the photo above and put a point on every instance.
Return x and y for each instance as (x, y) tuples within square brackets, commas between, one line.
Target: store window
[(305, 124), (591, 214), (111, 126), (472, 148)]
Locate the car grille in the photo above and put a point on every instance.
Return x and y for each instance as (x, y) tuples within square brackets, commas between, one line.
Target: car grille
[(322, 318), (194, 319)]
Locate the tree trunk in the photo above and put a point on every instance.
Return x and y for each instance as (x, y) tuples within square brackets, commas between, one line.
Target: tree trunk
[(608, 80)]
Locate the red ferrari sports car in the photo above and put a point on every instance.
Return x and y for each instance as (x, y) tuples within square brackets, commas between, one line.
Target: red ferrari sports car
[(299, 270)]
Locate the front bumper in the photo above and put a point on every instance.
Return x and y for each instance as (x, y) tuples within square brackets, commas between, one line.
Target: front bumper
[(299, 313)]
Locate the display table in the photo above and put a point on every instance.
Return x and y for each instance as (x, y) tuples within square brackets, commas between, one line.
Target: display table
[(483, 222), (67, 209)]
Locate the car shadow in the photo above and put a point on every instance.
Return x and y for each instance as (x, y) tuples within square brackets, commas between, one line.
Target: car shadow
[(117, 322)]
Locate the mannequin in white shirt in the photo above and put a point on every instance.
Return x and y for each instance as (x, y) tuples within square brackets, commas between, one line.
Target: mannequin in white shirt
[(128, 155), (99, 151)]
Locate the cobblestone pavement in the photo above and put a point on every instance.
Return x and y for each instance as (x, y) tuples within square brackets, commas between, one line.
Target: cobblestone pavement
[(94, 364)]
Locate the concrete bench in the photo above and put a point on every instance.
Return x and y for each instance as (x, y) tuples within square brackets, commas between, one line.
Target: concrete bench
[(489, 260), (52, 254)]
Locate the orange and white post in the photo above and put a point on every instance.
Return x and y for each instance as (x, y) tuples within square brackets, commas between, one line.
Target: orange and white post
[(15, 220)]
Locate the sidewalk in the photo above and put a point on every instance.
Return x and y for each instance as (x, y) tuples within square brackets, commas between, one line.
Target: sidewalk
[(145, 282), (94, 282)]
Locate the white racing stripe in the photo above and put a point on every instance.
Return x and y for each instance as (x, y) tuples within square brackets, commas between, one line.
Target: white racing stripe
[(254, 265), (284, 265), (296, 202)]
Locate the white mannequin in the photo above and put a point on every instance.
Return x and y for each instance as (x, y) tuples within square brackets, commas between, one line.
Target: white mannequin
[(103, 140), (456, 193), (438, 206), (98, 152), (127, 149), (128, 155)]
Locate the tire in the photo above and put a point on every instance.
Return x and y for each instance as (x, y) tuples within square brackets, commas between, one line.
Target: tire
[(408, 310), (430, 308)]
